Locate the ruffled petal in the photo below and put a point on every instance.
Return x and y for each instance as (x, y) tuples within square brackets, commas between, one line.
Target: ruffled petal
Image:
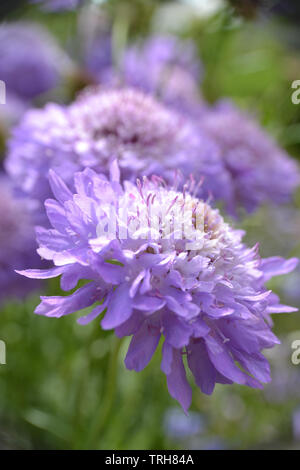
[(59, 188), (56, 215), (119, 308), (72, 275), (92, 315), (148, 303), (42, 273), (60, 306), (176, 331), (142, 347), (201, 366), (223, 362), (275, 266), (167, 358), (279, 308), (256, 364), (130, 326)]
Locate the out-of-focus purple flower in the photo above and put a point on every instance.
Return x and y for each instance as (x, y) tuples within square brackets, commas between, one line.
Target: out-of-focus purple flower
[(200, 289), (30, 60), (17, 242), (59, 5), (162, 53), (145, 136), (296, 424), (10, 113), (179, 426), (98, 58), (166, 67), (260, 172)]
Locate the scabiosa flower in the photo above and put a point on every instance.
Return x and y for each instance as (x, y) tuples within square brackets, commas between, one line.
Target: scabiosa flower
[(200, 288), (168, 68), (30, 60), (181, 427), (98, 60), (260, 172), (17, 241), (145, 136)]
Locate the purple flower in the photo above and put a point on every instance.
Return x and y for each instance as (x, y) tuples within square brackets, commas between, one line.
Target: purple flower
[(30, 61), (259, 170), (145, 136), (181, 427), (198, 287), (166, 67), (98, 57), (17, 242)]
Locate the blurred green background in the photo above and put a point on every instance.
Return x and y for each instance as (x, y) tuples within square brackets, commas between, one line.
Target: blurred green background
[(59, 389)]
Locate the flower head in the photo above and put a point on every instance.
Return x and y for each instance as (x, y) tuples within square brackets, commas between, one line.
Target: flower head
[(181, 427), (162, 264), (168, 68), (17, 241), (30, 61), (259, 170), (145, 136), (98, 60)]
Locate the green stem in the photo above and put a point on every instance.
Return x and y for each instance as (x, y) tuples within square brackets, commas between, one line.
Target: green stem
[(102, 416)]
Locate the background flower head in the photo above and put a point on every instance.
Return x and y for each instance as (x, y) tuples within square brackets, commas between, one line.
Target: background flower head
[(259, 170), (166, 67), (98, 60), (17, 241), (31, 63), (145, 136)]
